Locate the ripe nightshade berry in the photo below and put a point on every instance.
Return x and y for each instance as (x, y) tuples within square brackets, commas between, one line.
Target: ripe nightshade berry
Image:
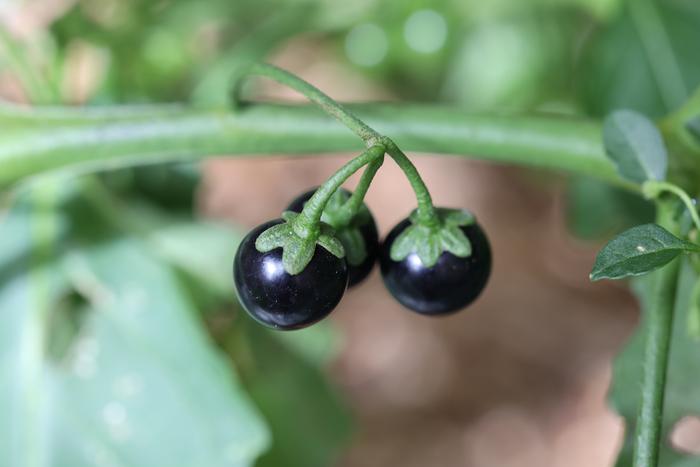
[(278, 299), (368, 229), (450, 285)]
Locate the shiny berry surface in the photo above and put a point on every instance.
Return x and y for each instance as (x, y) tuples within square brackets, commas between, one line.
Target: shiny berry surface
[(448, 286), (280, 300), (357, 273)]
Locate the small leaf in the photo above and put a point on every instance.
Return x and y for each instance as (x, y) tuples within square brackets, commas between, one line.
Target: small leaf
[(274, 237), (332, 244), (429, 250), (297, 253), (635, 145), (405, 243), (454, 241), (456, 217), (354, 244), (637, 251)]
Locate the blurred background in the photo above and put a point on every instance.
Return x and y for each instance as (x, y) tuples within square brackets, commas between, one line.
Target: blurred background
[(123, 344)]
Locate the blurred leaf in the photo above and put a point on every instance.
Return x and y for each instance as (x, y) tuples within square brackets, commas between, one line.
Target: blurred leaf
[(139, 372), (643, 60), (682, 397), (597, 210), (637, 251), (635, 146), (308, 423)]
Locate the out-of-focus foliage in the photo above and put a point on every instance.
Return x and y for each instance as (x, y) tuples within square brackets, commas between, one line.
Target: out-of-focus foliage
[(683, 374), (108, 285)]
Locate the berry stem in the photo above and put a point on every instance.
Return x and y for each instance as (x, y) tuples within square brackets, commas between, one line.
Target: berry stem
[(315, 95), (426, 211), (306, 224), (352, 205)]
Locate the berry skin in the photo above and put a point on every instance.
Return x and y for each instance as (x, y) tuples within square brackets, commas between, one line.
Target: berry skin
[(357, 273), (278, 299), (448, 286)]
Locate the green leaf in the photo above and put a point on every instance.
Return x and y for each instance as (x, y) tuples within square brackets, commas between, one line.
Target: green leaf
[(329, 242), (406, 243), (309, 423), (635, 146), (274, 237), (354, 245), (140, 364), (429, 249), (644, 60), (637, 251), (683, 378), (297, 254), (453, 240)]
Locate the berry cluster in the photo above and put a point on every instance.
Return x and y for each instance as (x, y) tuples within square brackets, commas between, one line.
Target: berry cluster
[(281, 300), (291, 272)]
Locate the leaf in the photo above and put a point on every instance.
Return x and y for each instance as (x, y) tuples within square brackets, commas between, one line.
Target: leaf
[(354, 245), (682, 397), (274, 237), (637, 251), (309, 423), (626, 67), (140, 364), (297, 253), (429, 249), (454, 241), (406, 243), (635, 146)]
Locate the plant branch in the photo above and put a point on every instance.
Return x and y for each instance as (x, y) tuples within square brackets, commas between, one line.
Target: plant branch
[(307, 221), (353, 204), (42, 140), (656, 351), (315, 95)]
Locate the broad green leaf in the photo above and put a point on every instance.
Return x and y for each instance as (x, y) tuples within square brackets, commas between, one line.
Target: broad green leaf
[(309, 424), (637, 251), (682, 396), (141, 366), (635, 146), (644, 60)]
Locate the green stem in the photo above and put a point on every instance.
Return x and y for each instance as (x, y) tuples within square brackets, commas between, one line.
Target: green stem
[(426, 211), (41, 140), (315, 95), (306, 223), (657, 345), (652, 189), (352, 205)]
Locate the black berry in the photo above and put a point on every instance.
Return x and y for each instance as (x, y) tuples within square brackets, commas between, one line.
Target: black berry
[(278, 299), (368, 229), (446, 287)]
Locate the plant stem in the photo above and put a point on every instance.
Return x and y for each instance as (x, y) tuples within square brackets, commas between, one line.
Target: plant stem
[(656, 350), (306, 223), (352, 205), (426, 211), (315, 95), (41, 140), (652, 189)]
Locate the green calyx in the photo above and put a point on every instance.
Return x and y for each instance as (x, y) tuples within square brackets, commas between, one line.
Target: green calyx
[(297, 250), (347, 222), (428, 242)]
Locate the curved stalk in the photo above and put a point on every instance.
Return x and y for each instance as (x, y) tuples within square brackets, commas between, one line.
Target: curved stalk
[(315, 95), (353, 204)]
